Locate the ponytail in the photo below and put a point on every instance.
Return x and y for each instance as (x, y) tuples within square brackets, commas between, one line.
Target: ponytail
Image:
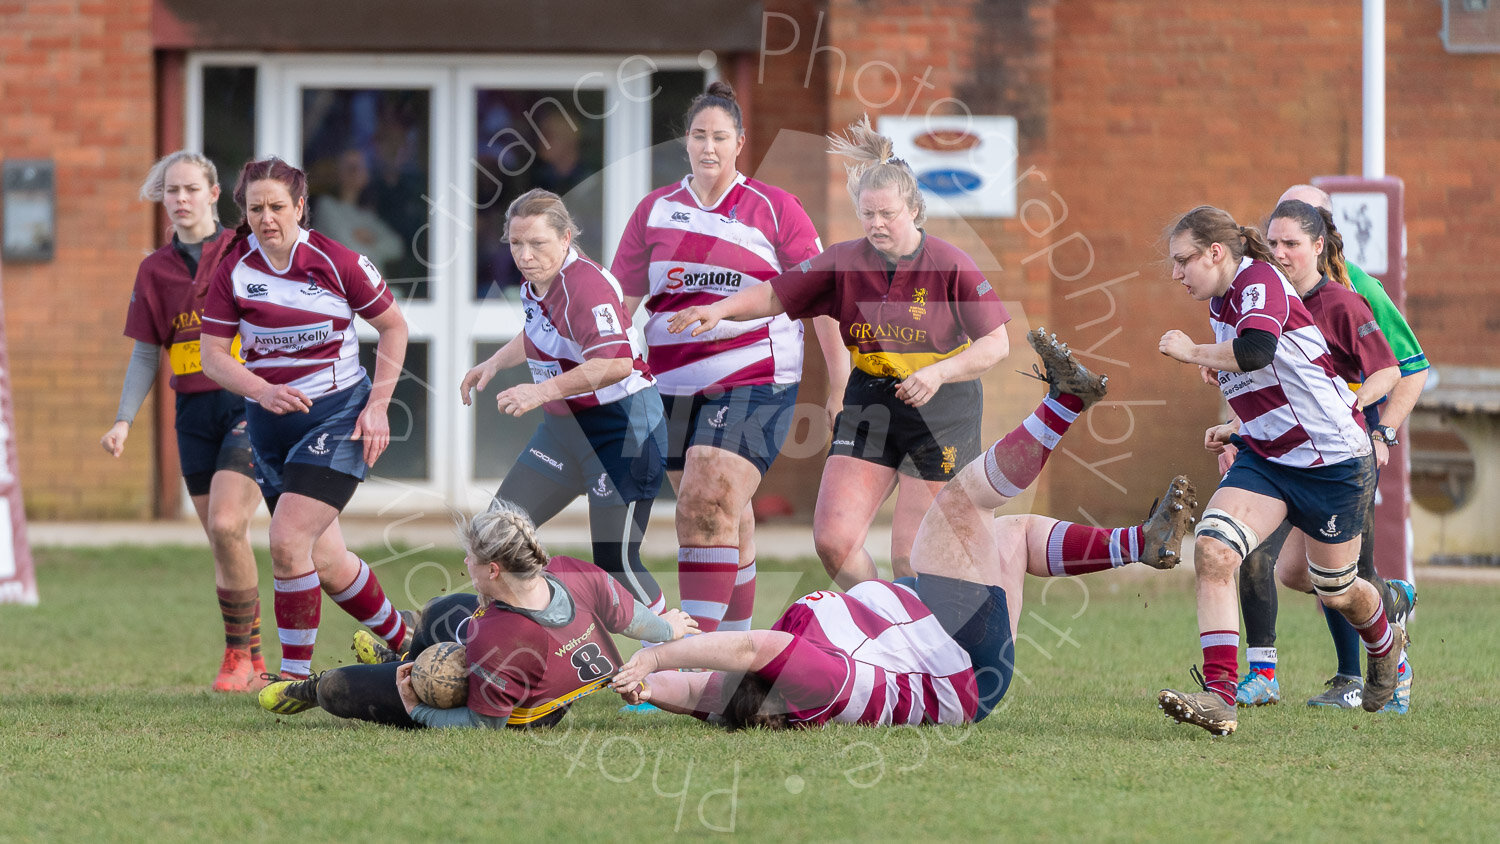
[(1254, 245), (1333, 250), (876, 167), (504, 534), (1208, 225)]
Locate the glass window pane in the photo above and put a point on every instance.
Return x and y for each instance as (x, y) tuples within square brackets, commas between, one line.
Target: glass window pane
[(499, 437), (534, 139), (676, 91), (368, 162), (407, 456), (228, 129)]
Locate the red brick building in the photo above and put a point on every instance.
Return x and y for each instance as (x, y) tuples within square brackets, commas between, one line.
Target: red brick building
[(1128, 112)]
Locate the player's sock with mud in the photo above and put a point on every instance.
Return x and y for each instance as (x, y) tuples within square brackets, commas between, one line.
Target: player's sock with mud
[(366, 601), (706, 576), (1221, 662), (741, 600), (1014, 462), (299, 605)]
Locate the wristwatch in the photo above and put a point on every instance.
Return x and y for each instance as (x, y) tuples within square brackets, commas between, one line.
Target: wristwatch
[(1383, 434)]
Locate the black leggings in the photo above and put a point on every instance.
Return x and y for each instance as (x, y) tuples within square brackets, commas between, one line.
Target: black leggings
[(616, 529), (368, 692)]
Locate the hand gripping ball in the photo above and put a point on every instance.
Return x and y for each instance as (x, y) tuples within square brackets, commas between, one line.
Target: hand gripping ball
[(440, 676)]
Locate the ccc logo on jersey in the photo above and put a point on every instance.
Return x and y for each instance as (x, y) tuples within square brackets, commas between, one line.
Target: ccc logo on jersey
[(256, 289)]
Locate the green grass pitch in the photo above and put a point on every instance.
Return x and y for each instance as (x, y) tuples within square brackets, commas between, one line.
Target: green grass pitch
[(108, 733)]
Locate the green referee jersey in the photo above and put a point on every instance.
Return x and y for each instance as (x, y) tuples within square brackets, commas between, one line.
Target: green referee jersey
[(1403, 342)]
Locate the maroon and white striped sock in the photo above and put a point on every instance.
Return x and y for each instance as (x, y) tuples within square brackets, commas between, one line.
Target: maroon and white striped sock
[(705, 577), (298, 605), (1074, 549), (1221, 661), (1013, 463), (741, 601), (1376, 633), (366, 601)]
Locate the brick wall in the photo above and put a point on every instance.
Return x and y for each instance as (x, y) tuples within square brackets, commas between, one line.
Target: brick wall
[(993, 57), (1155, 113), (76, 87), (1443, 139), (1129, 113), (787, 118)]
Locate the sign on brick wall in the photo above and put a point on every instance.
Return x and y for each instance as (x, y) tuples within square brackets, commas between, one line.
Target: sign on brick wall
[(17, 582), (965, 164)]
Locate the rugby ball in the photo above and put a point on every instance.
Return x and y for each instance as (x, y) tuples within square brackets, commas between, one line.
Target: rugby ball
[(440, 676)]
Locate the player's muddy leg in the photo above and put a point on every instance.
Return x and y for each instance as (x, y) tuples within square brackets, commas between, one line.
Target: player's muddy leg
[(364, 692)]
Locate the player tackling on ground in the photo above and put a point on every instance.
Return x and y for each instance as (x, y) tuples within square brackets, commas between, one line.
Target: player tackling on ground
[(942, 649)]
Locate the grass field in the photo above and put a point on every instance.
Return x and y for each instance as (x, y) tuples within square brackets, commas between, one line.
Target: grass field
[(108, 733)]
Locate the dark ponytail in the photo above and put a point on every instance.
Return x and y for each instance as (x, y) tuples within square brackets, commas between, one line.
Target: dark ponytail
[(1333, 247)]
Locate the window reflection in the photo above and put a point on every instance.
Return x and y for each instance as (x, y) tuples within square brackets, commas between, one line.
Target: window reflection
[(498, 437), (675, 92), (534, 139), (228, 129), (367, 156), (407, 456)]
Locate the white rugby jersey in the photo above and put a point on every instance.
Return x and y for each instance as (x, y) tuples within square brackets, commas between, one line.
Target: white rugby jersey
[(297, 325), (581, 316), (874, 655), (1296, 411), (678, 253)]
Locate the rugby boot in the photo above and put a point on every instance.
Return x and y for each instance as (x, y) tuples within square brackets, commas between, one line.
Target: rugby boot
[(236, 673), (1383, 673), (289, 697), (1206, 709), (1400, 600), (1170, 520), (1401, 701), (1256, 689), (370, 650), (1342, 692), (1062, 371)]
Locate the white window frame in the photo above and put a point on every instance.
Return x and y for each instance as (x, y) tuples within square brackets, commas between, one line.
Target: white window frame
[(451, 320)]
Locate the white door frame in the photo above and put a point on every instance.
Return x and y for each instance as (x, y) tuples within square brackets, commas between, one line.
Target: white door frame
[(451, 320)]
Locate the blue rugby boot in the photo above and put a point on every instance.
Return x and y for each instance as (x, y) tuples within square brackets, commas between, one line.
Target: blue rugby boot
[(1256, 689)]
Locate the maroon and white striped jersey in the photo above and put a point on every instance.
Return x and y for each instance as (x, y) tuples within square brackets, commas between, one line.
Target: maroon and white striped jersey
[(581, 316), (873, 655), (677, 253), (297, 325), (1295, 411)]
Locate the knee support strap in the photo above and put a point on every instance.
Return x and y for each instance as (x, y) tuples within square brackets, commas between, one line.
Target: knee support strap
[(1228, 530), (1329, 582)]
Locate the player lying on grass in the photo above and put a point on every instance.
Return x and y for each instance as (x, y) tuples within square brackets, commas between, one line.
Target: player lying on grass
[(942, 649), (537, 637)]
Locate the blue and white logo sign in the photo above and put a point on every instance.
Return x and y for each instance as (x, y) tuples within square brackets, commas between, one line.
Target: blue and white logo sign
[(965, 165)]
